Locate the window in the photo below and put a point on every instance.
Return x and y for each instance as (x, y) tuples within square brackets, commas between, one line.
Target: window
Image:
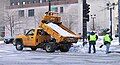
[(30, 12), (21, 13), (61, 9), (34, 2), (13, 3), (43, 0), (18, 3), (31, 32), (23, 3), (40, 1)]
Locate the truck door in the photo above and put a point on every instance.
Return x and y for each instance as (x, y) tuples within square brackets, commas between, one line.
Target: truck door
[(30, 37)]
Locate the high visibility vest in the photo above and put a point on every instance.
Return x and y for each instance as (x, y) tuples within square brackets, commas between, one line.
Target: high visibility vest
[(107, 38), (92, 38)]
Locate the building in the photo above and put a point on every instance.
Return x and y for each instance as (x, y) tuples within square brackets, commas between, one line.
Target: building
[(26, 14), (116, 17), (3, 4)]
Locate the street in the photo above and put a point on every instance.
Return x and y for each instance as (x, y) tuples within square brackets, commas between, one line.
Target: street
[(10, 56)]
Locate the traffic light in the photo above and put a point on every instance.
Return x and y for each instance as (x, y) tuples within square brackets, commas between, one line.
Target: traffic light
[(86, 11)]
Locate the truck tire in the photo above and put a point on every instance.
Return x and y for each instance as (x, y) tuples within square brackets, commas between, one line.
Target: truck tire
[(49, 47), (64, 48), (33, 48), (19, 46)]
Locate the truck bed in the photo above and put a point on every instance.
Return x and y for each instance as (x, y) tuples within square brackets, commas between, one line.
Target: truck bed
[(61, 34)]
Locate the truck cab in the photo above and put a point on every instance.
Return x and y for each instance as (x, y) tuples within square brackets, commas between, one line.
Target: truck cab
[(32, 39)]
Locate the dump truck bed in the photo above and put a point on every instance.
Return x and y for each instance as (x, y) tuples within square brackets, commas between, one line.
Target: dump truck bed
[(59, 33), (52, 25)]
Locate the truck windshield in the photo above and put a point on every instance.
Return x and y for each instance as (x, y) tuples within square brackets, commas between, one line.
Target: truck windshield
[(31, 32)]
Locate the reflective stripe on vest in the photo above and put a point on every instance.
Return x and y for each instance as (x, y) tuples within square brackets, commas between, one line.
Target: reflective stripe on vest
[(92, 37), (107, 38)]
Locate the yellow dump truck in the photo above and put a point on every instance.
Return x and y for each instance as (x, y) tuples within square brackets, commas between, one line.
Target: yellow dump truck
[(50, 35)]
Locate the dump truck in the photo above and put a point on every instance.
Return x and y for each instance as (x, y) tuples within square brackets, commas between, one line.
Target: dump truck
[(50, 35)]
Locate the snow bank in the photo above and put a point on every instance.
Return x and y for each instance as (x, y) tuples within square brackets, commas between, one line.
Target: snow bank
[(1, 42), (114, 42), (77, 47), (60, 30)]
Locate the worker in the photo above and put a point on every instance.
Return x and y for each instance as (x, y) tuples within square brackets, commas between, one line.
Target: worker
[(107, 41), (92, 38)]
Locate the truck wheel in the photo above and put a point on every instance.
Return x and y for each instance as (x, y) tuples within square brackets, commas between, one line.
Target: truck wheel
[(33, 48), (49, 47), (64, 48), (19, 46)]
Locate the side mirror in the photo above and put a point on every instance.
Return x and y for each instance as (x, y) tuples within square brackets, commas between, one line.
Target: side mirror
[(25, 31)]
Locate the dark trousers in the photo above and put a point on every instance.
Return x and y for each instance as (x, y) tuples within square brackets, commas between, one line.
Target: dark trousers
[(107, 48), (94, 50)]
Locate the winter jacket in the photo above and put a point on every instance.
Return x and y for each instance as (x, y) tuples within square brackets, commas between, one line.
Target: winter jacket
[(92, 38), (107, 39)]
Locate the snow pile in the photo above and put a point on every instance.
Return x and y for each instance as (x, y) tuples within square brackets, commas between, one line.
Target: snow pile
[(1, 42), (60, 30), (78, 47)]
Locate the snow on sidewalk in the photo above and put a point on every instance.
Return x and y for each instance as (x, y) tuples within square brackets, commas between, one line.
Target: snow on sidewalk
[(77, 47), (1, 42)]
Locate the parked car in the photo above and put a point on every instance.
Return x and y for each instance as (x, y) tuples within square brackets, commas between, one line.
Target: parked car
[(8, 39)]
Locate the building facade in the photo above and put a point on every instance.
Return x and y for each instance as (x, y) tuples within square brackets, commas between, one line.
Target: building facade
[(116, 17), (26, 14), (3, 4)]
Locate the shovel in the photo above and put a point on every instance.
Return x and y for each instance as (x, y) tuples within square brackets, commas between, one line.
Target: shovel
[(101, 46)]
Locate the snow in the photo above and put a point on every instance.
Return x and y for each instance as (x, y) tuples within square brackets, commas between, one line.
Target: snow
[(61, 31), (78, 47), (1, 42)]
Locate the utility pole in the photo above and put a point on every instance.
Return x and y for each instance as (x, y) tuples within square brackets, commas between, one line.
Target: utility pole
[(85, 20), (119, 20), (111, 21), (110, 6)]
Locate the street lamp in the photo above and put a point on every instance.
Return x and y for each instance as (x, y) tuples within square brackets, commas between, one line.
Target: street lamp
[(110, 6), (49, 5), (93, 18)]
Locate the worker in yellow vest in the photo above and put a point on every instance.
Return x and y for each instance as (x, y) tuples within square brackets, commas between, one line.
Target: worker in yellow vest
[(92, 38), (107, 41)]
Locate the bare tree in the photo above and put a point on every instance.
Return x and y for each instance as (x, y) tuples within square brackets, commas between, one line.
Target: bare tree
[(10, 20), (69, 20), (38, 18), (96, 26)]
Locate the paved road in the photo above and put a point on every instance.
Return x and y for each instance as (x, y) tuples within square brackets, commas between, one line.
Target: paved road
[(10, 56)]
